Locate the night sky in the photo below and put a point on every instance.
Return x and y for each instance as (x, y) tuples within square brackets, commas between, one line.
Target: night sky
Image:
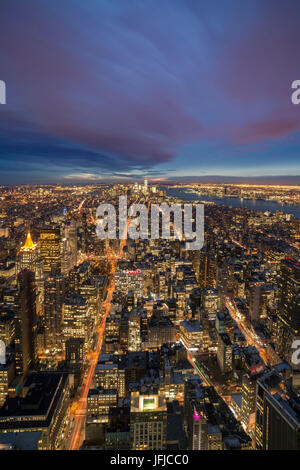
[(114, 89)]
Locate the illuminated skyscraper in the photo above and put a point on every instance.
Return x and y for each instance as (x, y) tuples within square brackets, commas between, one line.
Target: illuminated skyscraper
[(277, 425), (145, 188), (69, 247), (289, 292), (29, 258), (248, 400), (148, 421), (50, 249), (76, 319), (288, 328), (54, 294)]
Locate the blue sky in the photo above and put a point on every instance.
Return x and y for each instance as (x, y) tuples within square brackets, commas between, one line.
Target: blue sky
[(113, 90)]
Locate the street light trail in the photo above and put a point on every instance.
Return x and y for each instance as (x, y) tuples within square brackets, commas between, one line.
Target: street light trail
[(80, 415)]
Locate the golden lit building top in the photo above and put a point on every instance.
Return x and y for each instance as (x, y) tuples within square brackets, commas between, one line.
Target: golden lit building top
[(29, 245)]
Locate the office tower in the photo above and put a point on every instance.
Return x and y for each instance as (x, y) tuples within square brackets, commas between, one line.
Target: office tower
[(76, 321), (66, 256), (39, 414), (110, 374), (112, 335), (160, 330), (203, 435), (248, 402), (72, 237), (126, 280), (92, 291), (277, 425), (224, 353), (50, 249), (210, 303), (25, 322), (74, 350), (192, 336), (7, 324), (255, 294), (134, 331), (192, 391), (117, 434), (289, 291), (124, 332), (206, 270), (145, 188), (130, 300), (99, 401), (289, 309), (69, 247), (148, 421), (54, 295), (28, 257), (78, 275), (7, 374), (197, 428)]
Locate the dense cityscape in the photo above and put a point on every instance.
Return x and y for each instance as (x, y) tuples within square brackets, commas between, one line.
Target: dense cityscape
[(142, 344)]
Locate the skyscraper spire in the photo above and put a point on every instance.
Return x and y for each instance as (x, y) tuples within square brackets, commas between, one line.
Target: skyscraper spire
[(29, 243)]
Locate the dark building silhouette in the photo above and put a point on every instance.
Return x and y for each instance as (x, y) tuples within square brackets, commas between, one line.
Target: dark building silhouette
[(277, 425), (25, 322)]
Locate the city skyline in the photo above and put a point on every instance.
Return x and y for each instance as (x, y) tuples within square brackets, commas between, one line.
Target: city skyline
[(183, 91)]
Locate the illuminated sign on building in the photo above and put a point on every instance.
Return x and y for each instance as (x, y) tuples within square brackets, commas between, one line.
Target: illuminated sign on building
[(149, 404), (137, 271), (257, 369)]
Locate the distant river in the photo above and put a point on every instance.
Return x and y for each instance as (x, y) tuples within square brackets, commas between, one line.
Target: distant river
[(235, 202)]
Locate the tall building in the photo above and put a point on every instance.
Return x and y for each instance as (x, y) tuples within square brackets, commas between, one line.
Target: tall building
[(197, 428), (248, 400), (288, 328), (69, 247), (28, 253), (7, 374), (25, 322), (289, 292), (76, 319), (277, 425), (50, 249), (148, 421), (73, 242), (54, 295), (145, 187), (210, 302), (40, 413), (75, 350), (99, 401), (110, 375), (126, 280), (224, 353), (134, 331), (28, 257)]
